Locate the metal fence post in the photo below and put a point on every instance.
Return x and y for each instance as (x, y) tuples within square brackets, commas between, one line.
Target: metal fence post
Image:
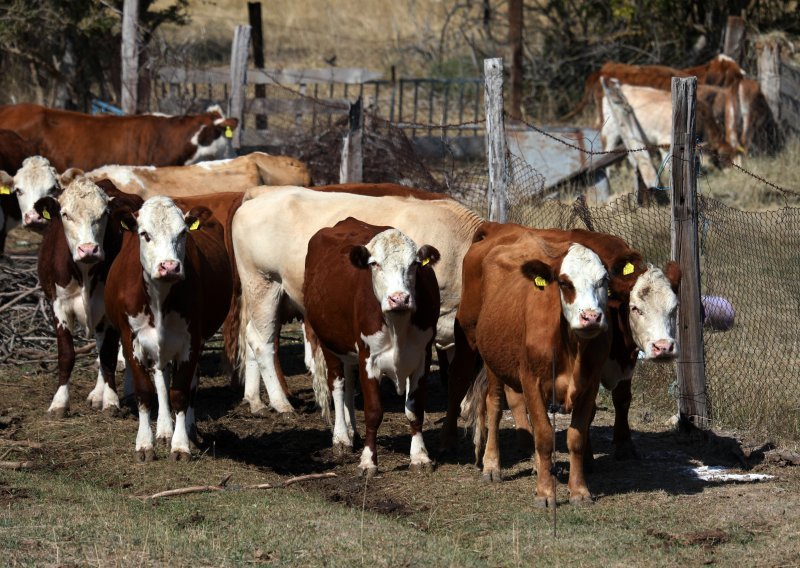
[(351, 170), (692, 403), (499, 175), (239, 50)]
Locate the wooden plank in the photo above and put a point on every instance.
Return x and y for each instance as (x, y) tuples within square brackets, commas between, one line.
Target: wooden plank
[(692, 403), (295, 106), (219, 76), (515, 25), (238, 79), (734, 39), (769, 75), (254, 16), (130, 57), (496, 149), (351, 169)]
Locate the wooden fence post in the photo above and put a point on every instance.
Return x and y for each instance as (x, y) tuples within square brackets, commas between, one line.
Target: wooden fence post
[(769, 75), (130, 57), (515, 26), (734, 39), (692, 403), (499, 175), (239, 49), (254, 15), (351, 170)]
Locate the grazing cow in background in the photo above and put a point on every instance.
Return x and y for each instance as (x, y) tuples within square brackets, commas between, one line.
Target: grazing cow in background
[(76, 140), (13, 151), (237, 174), (168, 292), (271, 231), (532, 306), (76, 253), (372, 300)]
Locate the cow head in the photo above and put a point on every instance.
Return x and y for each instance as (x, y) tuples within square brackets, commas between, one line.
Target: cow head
[(83, 208), (211, 140), (583, 287), (162, 229), (652, 307), (33, 181), (394, 260)]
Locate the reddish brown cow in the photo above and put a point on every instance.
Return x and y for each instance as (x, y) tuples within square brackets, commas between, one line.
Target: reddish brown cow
[(372, 300), (168, 292), (13, 151), (70, 139)]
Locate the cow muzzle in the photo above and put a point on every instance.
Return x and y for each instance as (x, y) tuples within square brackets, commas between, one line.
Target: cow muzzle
[(399, 302), (590, 323), (89, 253), (663, 349), (169, 271), (32, 220)]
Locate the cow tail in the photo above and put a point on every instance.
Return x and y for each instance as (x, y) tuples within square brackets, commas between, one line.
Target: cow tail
[(322, 393), (473, 409), (235, 325)]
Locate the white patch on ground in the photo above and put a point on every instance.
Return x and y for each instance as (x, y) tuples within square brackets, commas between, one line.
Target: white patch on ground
[(719, 473)]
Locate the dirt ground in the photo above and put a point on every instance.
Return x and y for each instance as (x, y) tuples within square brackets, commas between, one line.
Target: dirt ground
[(652, 511)]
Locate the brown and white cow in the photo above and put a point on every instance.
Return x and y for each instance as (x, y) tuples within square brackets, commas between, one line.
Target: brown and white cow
[(271, 231), (13, 151), (372, 300), (70, 139), (236, 174), (77, 250), (167, 292)]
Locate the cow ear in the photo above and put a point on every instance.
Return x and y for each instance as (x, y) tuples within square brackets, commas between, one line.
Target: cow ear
[(48, 207), (69, 175), (359, 256), (125, 218), (672, 271), (197, 217), (537, 272), (6, 183), (624, 274), (227, 126), (428, 255)]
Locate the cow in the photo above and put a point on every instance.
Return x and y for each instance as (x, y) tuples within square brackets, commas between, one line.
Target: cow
[(270, 233), (13, 151), (372, 300), (653, 110), (77, 250), (70, 139), (168, 291), (236, 174), (533, 307)]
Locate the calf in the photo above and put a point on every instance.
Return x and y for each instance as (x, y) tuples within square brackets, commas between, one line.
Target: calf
[(167, 292), (74, 258), (372, 300), (532, 305)]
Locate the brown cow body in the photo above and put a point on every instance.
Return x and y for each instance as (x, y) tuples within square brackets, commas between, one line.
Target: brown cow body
[(70, 139), (358, 329)]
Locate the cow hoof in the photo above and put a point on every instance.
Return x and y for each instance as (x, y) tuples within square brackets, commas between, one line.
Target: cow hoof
[(544, 502), (421, 467), (180, 455), (580, 500), (144, 455), (283, 408), (164, 441), (58, 413), (112, 411), (368, 472), (492, 476), (261, 412), (340, 449)]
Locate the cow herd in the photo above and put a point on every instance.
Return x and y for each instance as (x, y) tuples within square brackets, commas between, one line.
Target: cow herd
[(154, 257)]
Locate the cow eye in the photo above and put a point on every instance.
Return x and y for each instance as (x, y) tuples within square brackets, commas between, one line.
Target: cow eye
[(636, 310), (374, 264), (145, 235), (18, 191), (65, 216), (565, 285)]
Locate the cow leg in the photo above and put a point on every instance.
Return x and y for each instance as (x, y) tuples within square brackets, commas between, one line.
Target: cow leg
[(577, 436), (276, 346), (544, 441), (66, 362), (443, 356), (191, 425), (416, 389), (180, 398), (261, 341), (310, 343), (491, 454), (108, 352), (462, 374), (350, 376), (164, 428), (342, 437), (252, 384), (621, 396), (145, 397), (516, 402), (373, 416)]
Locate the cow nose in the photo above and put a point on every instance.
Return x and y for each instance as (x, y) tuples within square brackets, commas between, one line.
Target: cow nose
[(399, 301), (591, 318), (88, 250), (31, 216), (169, 267), (663, 348)]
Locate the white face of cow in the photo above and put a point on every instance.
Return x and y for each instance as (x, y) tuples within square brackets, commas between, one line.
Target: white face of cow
[(653, 306), (84, 214), (583, 282), (35, 180), (162, 229), (393, 259), (211, 140)]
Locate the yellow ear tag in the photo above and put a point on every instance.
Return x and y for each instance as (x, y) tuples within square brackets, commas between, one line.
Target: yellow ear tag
[(195, 225), (5, 190), (228, 132), (46, 214), (426, 261), (627, 269), (540, 282)]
